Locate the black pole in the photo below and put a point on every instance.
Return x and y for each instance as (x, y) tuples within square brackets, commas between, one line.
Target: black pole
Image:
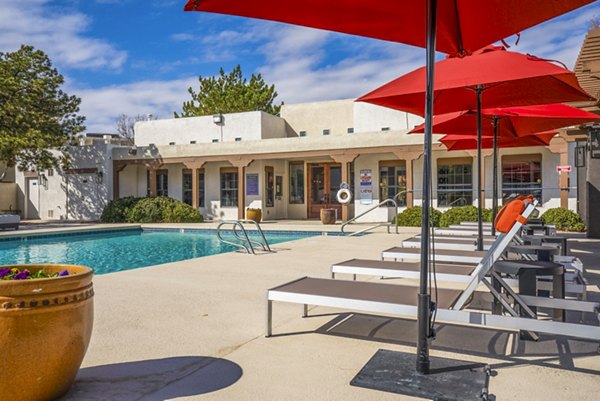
[(480, 198), (495, 178), (424, 298)]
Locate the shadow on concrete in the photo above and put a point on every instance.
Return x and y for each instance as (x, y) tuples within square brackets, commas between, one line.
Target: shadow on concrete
[(154, 380), (557, 352)]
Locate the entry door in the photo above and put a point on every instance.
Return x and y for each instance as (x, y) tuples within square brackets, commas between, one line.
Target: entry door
[(324, 183), (33, 199)]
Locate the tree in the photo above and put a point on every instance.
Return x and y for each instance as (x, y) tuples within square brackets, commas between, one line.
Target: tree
[(230, 93), (126, 125), (35, 114)]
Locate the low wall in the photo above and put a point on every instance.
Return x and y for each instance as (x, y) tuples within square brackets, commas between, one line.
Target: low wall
[(8, 196)]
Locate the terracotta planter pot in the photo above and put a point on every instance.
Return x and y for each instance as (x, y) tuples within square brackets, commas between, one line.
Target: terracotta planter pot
[(45, 329), (254, 214), (328, 216)]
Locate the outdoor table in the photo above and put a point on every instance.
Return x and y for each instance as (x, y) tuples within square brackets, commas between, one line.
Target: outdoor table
[(543, 229), (527, 272), (547, 239), (543, 253)]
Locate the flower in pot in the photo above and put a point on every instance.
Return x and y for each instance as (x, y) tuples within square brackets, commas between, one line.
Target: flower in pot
[(46, 318), (254, 214), (328, 215)]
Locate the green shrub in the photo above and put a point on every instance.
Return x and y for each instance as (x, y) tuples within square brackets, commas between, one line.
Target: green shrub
[(563, 219), (116, 211), (158, 209), (463, 213), (411, 217), (161, 209)]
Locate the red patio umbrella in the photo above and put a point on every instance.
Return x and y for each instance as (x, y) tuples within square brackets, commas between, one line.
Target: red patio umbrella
[(510, 127), (469, 142), (506, 78), (465, 25)]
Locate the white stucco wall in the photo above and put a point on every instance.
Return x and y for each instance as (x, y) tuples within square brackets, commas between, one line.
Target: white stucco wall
[(370, 118), (253, 125)]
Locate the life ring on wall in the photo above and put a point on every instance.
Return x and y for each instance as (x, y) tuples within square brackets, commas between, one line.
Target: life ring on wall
[(344, 196)]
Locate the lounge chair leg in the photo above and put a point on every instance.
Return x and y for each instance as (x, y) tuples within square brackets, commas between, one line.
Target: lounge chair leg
[(305, 311), (269, 322)]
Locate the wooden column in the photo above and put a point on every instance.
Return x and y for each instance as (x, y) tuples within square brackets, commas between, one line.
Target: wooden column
[(559, 145), (409, 157), (484, 153), (345, 160), (241, 165), (117, 168)]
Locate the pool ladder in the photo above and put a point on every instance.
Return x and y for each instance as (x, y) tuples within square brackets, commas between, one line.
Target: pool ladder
[(240, 233)]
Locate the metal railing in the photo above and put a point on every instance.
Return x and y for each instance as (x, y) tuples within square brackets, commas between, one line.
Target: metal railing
[(393, 201), (240, 233)]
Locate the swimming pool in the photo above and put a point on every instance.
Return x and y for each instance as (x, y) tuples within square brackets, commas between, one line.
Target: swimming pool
[(116, 250)]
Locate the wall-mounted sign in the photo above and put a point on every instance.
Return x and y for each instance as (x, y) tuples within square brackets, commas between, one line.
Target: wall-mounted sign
[(251, 184), (595, 143), (366, 186), (563, 169)]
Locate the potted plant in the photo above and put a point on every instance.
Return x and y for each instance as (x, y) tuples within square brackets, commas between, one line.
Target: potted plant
[(328, 215), (254, 214), (46, 318)]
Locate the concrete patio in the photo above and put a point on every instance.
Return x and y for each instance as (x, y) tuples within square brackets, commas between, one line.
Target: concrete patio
[(194, 330)]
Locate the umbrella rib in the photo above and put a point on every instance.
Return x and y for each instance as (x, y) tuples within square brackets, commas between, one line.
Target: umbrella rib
[(459, 38)]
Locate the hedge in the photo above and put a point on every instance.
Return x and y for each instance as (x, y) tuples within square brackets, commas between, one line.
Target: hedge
[(563, 219), (157, 209), (411, 217), (456, 215)]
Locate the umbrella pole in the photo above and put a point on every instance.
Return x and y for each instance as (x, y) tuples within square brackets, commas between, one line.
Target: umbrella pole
[(480, 197), (424, 298), (495, 178)]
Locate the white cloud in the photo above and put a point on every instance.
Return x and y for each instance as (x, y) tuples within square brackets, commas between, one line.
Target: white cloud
[(62, 36), (161, 98)]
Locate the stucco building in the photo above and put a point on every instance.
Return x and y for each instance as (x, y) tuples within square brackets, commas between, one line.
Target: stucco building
[(290, 166)]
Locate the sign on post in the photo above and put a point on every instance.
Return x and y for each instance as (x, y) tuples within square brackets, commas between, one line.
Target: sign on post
[(563, 169)]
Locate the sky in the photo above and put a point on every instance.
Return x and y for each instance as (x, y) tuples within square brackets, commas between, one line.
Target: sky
[(141, 56)]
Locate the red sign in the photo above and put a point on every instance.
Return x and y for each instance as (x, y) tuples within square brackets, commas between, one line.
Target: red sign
[(563, 169)]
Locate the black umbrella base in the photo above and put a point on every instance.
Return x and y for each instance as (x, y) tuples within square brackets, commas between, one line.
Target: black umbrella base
[(449, 380)]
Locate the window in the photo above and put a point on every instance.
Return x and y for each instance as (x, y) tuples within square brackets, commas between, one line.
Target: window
[(325, 132), (455, 182), (186, 196), (522, 175), (201, 191), (171, 143), (50, 172), (215, 140), (188, 193), (296, 182), (385, 128), (192, 142), (350, 130), (162, 182), (269, 187), (392, 180), (238, 139), (229, 187), (302, 133)]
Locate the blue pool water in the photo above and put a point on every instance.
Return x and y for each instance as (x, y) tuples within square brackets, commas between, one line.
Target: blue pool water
[(123, 250)]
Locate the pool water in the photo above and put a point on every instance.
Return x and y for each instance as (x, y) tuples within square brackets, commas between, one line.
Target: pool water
[(124, 250)]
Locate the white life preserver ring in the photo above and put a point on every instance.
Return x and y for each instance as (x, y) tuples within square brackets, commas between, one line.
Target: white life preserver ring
[(344, 196)]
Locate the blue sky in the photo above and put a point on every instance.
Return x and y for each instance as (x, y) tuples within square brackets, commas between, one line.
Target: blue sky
[(140, 56)]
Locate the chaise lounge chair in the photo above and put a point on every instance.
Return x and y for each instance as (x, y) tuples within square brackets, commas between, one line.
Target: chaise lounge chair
[(401, 299)]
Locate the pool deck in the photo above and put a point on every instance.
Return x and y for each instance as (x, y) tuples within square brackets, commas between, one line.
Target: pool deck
[(194, 330)]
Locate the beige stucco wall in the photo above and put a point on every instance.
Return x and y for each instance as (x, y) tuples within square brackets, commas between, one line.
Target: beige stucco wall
[(335, 115), (8, 196)]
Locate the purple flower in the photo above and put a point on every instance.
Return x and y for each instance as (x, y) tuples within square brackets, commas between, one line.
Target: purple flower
[(4, 272), (63, 273), (22, 275)]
